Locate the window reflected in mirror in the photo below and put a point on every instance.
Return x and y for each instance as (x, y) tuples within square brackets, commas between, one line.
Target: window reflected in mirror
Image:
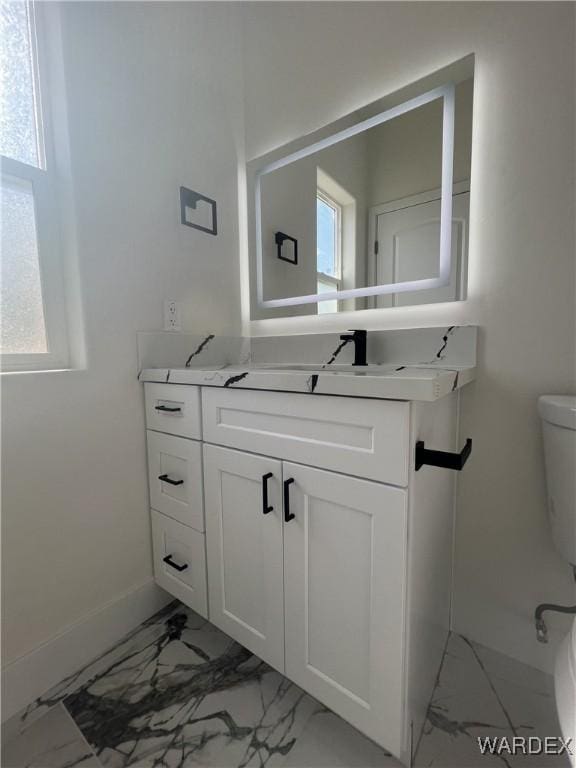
[(328, 248)]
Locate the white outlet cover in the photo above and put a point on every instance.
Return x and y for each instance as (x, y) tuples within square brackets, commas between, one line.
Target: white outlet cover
[(172, 316)]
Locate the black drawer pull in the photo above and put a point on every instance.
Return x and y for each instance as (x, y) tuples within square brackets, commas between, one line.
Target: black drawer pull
[(168, 560), (266, 508), (168, 409), (443, 459), (167, 479), (287, 514)]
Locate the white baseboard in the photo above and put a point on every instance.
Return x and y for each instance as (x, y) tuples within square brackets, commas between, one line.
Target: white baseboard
[(32, 675)]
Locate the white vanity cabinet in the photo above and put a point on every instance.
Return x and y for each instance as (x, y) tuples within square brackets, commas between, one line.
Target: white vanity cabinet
[(327, 554), (175, 481)]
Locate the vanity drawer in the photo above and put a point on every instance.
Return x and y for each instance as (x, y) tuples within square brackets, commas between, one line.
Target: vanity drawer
[(180, 561), (175, 478), (173, 408), (366, 438)]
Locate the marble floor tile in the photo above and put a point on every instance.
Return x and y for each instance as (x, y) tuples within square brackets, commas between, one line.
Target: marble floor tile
[(179, 693), (188, 696), (525, 692), (330, 742), (51, 741), (113, 669), (481, 693)]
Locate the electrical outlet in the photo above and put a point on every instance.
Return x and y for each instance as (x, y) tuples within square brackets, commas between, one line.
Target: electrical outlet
[(172, 320)]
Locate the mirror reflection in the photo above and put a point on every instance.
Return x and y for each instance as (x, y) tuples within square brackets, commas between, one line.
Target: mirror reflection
[(366, 212)]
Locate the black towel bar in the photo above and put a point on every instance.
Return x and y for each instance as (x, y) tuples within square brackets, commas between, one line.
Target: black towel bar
[(443, 459)]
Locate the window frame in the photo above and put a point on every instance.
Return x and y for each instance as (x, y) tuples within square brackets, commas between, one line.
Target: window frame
[(337, 208), (335, 283), (45, 183)]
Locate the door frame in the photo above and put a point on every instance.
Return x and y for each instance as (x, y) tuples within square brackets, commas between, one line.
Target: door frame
[(459, 188)]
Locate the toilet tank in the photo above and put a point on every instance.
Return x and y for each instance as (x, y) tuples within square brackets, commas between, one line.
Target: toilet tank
[(558, 414)]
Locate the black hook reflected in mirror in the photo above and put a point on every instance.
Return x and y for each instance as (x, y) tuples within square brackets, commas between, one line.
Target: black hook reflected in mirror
[(280, 238)]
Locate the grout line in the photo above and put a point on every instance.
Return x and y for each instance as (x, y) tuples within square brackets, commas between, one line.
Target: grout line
[(80, 734), (491, 684), (436, 685)]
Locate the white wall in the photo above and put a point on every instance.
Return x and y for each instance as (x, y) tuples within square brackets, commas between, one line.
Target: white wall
[(406, 153), (154, 96), (155, 99), (289, 204), (307, 65)]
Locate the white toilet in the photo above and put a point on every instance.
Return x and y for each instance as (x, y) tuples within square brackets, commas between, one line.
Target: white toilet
[(558, 413)]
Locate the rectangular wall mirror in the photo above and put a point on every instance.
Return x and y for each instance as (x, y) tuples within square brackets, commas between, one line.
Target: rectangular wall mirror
[(370, 211)]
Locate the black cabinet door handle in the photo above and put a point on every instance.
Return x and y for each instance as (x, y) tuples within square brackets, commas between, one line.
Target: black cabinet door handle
[(266, 508), (287, 514), (168, 560), (167, 479), (168, 409)]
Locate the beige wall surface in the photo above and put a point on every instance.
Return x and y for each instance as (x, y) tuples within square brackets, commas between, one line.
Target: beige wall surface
[(154, 97), (308, 64)]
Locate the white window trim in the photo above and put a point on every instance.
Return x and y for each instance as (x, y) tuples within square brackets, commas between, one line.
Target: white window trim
[(45, 185), (337, 207), (322, 277)]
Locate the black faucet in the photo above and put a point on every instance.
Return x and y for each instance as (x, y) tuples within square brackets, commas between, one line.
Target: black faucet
[(359, 338)]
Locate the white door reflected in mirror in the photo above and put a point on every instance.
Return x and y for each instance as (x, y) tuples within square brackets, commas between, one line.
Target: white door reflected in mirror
[(404, 248)]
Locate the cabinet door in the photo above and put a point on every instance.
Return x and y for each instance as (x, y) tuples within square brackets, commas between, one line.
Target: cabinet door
[(344, 571), (244, 548)]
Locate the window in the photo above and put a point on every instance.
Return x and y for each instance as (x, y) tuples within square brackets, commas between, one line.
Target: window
[(33, 329), (328, 249)]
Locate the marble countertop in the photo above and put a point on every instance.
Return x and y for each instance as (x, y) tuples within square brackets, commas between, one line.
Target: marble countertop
[(389, 382)]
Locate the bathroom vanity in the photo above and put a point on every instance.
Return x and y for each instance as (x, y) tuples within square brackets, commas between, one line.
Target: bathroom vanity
[(304, 525)]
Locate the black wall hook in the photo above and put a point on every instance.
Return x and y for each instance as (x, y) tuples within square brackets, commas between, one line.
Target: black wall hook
[(443, 459), (279, 238)]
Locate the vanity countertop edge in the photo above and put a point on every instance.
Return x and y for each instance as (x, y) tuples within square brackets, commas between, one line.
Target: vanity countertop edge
[(401, 382)]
